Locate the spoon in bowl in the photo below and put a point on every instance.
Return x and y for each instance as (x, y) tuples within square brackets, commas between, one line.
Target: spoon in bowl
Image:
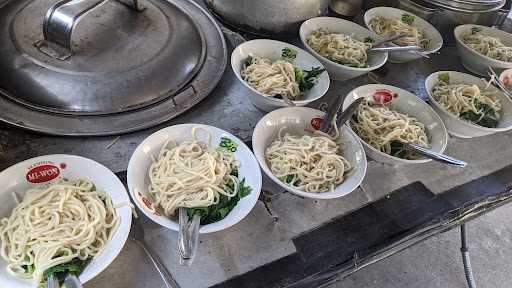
[(188, 235), (396, 48), (430, 154)]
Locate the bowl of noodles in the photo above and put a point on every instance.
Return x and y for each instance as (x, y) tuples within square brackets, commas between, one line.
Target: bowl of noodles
[(342, 46), (276, 74), (199, 167), (481, 47), (388, 22), (390, 115), (302, 160), (60, 213), (469, 106)]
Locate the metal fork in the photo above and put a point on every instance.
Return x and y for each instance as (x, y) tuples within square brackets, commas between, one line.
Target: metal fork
[(137, 235)]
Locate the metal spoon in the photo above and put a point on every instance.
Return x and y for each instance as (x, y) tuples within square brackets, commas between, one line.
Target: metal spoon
[(347, 113), (329, 115), (52, 282), (72, 281), (396, 48), (342, 117), (390, 39), (187, 236), (431, 154)]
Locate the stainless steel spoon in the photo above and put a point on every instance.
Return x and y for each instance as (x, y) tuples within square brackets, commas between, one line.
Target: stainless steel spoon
[(342, 117), (395, 48), (52, 282), (72, 281), (187, 236), (390, 39), (431, 154)]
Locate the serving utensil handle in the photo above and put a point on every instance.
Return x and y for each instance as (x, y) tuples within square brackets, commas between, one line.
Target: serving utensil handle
[(193, 238), (436, 156), (62, 18), (396, 48), (72, 281), (52, 282), (168, 279), (183, 235)]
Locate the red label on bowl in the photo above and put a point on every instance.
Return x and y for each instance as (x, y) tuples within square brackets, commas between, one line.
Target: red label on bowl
[(383, 96), (316, 123), (43, 173)]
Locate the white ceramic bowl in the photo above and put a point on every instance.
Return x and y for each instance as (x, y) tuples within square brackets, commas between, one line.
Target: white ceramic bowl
[(272, 49), (335, 25), (298, 120), (474, 61), (411, 105), (435, 43), (16, 179), (461, 128), (138, 168)]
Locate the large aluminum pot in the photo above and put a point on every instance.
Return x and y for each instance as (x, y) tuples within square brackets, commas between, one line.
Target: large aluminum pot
[(445, 15), (267, 17)]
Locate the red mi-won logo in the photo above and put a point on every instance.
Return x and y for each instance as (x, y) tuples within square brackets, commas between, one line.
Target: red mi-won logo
[(43, 172)]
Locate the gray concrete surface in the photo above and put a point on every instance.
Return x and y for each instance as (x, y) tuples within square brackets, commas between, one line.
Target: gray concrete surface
[(437, 261)]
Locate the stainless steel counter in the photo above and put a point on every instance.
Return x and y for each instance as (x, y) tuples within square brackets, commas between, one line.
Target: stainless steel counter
[(265, 235)]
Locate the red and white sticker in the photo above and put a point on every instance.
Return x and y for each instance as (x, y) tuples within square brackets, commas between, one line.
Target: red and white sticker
[(147, 203), (383, 96), (44, 171), (316, 123), (506, 80)]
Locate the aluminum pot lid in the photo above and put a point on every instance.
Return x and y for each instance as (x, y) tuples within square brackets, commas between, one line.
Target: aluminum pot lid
[(469, 5), (93, 57)]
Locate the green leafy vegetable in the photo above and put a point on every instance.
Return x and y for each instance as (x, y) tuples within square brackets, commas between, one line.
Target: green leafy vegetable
[(355, 65), (306, 78), (489, 118), (349, 64), (476, 30), (355, 119), (219, 211), (75, 266), (369, 40), (407, 19), (29, 269), (398, 150), (249, 61), (289, 53), (289, 179), (444, 77)]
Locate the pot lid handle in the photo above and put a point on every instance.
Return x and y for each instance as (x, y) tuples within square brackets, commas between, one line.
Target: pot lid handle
[(61, 20)]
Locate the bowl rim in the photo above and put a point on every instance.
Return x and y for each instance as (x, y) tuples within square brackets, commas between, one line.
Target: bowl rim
[(203, 229), (422, 21), (426, 108), (272, 99), (323, 195), (457, 32), (126, 217), (454, 117), (338, 65)]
